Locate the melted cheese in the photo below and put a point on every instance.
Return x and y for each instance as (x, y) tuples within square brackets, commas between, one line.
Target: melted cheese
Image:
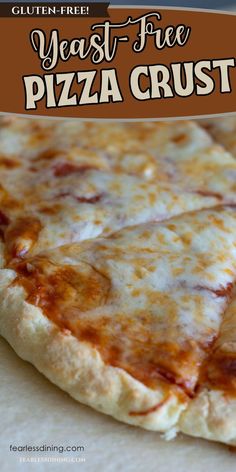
[(82, 180), (223, 130), (149, 300), (149, 295)]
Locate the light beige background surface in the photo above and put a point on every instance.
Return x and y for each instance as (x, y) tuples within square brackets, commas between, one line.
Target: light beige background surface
[(35, 412)]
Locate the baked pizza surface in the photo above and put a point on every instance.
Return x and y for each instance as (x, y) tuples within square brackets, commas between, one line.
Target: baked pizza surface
[(118, 263), (223, 130)]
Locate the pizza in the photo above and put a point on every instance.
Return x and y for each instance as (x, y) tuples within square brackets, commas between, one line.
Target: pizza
[(222, 130), (117, 268)]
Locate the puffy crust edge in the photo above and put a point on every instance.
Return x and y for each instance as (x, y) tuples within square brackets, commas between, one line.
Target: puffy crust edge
[(78, 369), (210, 415)]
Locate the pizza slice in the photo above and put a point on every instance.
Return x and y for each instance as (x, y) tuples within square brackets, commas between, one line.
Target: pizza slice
[(127, 323), (86, 205)]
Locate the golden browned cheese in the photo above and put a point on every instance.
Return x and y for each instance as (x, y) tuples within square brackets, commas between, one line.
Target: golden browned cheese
[(9, 163), (48, 154), (204, 193), (4, 220), (219, 372), (66, 295), (7, 201), (21, 236), (66, 168)]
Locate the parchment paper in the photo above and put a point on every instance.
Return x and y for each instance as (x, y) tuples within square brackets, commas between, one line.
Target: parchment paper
[(35, 412)]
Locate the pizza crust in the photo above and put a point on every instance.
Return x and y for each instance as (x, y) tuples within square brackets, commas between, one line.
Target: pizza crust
[(211, 415), (78, 368)]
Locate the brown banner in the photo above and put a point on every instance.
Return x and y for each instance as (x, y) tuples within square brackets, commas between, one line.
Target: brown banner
[(138, 63)]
